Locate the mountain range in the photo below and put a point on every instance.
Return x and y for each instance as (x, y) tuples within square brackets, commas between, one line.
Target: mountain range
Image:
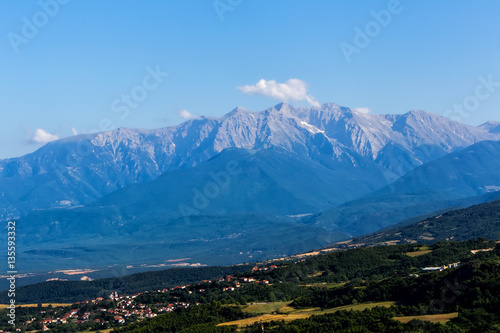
[(245, 186), (80, 169)]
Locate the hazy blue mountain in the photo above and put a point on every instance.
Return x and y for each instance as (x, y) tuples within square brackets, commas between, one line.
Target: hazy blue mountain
[(469, 172), (268, 181), (363, 216), (207, 203), (264, 181), (80, 169), (277, 182), (459, 179)]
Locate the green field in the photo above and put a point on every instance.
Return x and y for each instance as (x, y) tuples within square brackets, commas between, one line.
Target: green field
[(289, 314)]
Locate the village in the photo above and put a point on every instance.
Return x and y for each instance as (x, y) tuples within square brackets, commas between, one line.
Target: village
[(115, 309)]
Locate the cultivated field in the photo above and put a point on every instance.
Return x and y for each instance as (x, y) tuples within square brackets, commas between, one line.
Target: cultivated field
[(44, 305), (437, 318), (418, 253), (325, 285), (287, 313), (261, 308)]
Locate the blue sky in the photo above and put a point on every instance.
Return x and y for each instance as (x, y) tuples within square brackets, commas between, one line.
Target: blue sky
[(71, 73)]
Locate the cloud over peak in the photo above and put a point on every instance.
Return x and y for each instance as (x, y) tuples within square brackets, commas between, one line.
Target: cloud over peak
[(291, 90), (187, 115), (42, 136)]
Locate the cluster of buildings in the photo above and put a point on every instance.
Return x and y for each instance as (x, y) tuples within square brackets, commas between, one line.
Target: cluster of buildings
[(229, 278), (126, 308), (265, 268), (441, 268), (116, 309), (252, 280)]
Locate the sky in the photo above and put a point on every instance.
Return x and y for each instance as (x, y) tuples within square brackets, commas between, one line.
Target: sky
[(71, 67)]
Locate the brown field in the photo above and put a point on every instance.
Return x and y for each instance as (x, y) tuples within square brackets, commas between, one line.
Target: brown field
[(324, 285), (437, 318), (259, 308), (54, 305), (307, 254), (289, 314), (417, 253), (392, 242)]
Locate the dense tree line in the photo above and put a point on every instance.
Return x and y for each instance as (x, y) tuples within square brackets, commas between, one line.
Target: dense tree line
[(212, 292), (475, 284), (74, 291), (201, 318)]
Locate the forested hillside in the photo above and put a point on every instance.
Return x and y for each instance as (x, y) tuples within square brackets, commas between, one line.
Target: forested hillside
[(442, 287), (477, 221)]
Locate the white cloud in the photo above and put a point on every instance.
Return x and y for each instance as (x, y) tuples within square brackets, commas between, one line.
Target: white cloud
[(187, 115), (291, 90), (362, 110), (74, 131), (42, 136)]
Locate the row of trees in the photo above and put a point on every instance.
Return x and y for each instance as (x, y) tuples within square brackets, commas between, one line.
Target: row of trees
[(75, 291)]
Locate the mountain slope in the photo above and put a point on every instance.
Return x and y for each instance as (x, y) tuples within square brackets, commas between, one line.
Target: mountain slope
[(469, 172), (458, 225), (491, 126), (268, 181), (80, 169), (459, 179), (232, 201)]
